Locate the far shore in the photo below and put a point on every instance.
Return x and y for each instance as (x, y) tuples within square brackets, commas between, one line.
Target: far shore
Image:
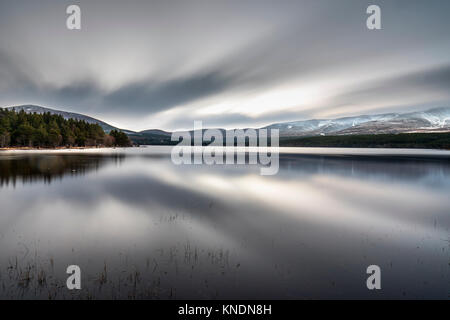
[(249, 148), (56, 148)]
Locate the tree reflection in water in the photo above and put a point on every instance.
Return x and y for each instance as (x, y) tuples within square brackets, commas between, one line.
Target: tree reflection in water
[(49, 167)]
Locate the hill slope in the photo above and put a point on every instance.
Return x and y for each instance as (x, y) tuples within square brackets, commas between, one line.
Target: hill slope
[(433, 120), (67, 115)]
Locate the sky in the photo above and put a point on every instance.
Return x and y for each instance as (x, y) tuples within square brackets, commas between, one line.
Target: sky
[(233, 64)]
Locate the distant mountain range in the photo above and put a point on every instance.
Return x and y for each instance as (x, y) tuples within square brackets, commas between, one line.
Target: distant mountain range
[(433, 120)]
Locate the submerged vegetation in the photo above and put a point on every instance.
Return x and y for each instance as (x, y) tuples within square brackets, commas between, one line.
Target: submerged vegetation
[(165, 273), (21, 129)]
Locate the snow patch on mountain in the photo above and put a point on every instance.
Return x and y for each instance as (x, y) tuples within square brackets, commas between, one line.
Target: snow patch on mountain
[(430, 120)]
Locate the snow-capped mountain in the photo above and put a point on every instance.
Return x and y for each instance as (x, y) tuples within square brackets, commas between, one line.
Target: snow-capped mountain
[(433, 120)]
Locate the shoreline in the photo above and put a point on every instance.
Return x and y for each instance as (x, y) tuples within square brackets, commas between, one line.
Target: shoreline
[(206, 146), (165, 149), (58, 149), (51, 149)]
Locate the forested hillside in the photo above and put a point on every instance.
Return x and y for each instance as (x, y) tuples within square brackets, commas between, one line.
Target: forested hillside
[(20, 129)]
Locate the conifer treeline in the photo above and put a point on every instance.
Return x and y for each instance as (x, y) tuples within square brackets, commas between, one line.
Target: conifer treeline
[(21, 129)]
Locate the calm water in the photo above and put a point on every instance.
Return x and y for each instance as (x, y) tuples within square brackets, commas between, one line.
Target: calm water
[(141, 227)]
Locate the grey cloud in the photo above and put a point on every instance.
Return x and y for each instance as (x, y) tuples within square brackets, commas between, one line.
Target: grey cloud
[(13, 73), (146, 96), (433, 80), (429, 80), (149, 97), (20, 81), (436, 79), (258, 45), (239, 120), (141, 97)]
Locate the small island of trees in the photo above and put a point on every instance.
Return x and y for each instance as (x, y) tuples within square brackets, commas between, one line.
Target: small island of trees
[(21, 129)]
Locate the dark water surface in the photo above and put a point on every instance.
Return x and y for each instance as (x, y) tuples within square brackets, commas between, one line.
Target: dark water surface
[(141, 227)]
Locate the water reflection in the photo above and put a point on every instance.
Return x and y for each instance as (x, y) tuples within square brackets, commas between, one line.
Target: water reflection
[(47, 167), (29, 168), (141, 227), (434, 170)]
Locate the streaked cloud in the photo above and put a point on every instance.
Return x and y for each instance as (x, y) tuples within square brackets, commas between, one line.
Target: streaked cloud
[(145, 64)]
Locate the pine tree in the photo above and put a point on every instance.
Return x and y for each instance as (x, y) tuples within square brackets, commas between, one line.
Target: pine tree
[(46, 130)]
